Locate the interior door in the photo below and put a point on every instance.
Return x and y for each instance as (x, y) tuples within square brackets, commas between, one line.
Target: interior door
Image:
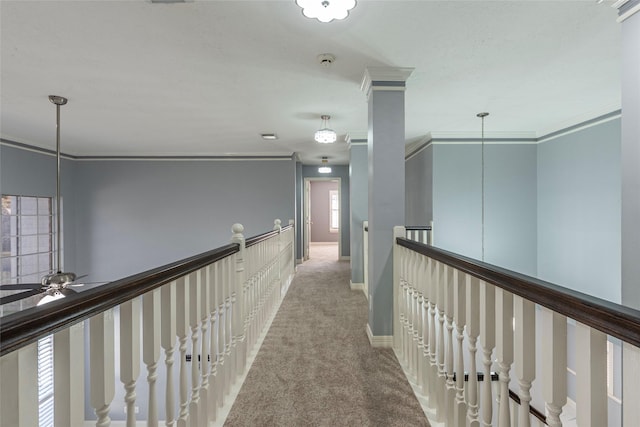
[(307, 218)]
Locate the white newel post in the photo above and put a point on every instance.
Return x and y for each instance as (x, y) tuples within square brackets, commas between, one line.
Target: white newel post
[(365, 256), (525, 353), (277, 226), (459, 296), (19, 387), (630, 385), (130, 354), (398, 278), (194, 321), (554, 364), (239, 313), (168, 341), (68, 376), (102, 372), (473, 329), (591, 377), (488, 342), (504, 351), (151, 348), (442, 375)]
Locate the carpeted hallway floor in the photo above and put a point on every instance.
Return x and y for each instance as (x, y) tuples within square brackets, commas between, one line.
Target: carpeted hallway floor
[(316, 367)]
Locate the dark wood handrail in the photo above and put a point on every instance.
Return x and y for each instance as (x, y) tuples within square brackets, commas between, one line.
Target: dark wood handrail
[(250, 241), (24, 327), (608, 317), (533, 411), (417, 227)]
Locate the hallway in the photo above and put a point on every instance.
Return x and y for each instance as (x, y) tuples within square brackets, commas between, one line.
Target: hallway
[(316, 366)]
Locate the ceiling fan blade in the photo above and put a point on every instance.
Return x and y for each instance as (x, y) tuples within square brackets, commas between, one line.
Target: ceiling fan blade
[(18, 297), (66, 292), (20, 286)]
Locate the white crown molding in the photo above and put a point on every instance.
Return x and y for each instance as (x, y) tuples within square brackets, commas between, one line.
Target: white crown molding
[(379, 341), (384, 74), (487, 135), (626, 15), (578, 120)]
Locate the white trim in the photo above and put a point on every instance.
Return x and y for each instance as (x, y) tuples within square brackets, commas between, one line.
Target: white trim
[(628, 13), (345, 258), (578, 120), (478, 142), (384, 74), (578, 128), (379, 341), (487, 135), (356, 286)]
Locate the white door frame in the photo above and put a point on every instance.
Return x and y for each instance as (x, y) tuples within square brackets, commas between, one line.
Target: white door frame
[(306, 214)]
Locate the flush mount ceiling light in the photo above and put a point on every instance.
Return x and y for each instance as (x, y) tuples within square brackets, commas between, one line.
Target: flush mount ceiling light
[(269, 136), (324, 168), (326, 10), (325, 135)]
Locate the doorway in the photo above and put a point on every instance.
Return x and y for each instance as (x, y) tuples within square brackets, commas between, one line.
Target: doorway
[(322, 207)]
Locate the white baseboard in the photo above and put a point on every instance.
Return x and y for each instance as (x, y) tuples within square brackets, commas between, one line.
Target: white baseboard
[(379, 341), (356, 286), (345, 258)]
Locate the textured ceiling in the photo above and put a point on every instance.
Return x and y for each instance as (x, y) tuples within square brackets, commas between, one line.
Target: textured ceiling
[(208, 77)]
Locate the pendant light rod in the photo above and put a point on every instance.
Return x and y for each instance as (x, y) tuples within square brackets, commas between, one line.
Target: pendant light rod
[(482, 116), (58, 101)]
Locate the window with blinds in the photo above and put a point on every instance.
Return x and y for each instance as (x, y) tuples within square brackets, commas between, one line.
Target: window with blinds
[(27, 255)]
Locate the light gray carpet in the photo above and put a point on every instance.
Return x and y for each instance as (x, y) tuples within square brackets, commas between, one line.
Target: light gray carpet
[(316, 367)]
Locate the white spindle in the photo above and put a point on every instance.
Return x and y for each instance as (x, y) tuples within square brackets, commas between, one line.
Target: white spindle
[(434, 392), (19, 387), (554, 364), (524, 353), (204, 342), (591, 377), (130, 354), (240, 297), (168, 341), (473, 329), (68, 376), (449, 286), (102, 372), (182, 325), (488, 342), (459, 295), (194, 322), (630, 388), (504, 351), (151, 348), (213, 344), (442, 374)]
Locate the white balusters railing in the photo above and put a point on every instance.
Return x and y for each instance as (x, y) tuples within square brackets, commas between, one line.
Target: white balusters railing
[(451, 312), (196, 320)]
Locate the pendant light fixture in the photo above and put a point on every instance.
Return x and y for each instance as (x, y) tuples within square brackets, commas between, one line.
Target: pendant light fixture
[(326, 10), (325, 135), (324, 168), (482, 116)]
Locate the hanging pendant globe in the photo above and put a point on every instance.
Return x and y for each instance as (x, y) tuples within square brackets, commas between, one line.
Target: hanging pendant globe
[(325, 136)]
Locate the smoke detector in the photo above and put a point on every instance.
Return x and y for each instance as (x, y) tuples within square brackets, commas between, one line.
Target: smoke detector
[(326, 59)]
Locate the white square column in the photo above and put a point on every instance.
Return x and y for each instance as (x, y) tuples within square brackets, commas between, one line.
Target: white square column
[(384, 87)]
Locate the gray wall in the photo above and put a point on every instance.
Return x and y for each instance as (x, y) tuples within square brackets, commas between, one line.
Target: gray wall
[(631, 160), (419, 187), (137, 215), (320, 207), (30, 173), (510, 203), (341, 172), (579, 210), (359, 188)]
